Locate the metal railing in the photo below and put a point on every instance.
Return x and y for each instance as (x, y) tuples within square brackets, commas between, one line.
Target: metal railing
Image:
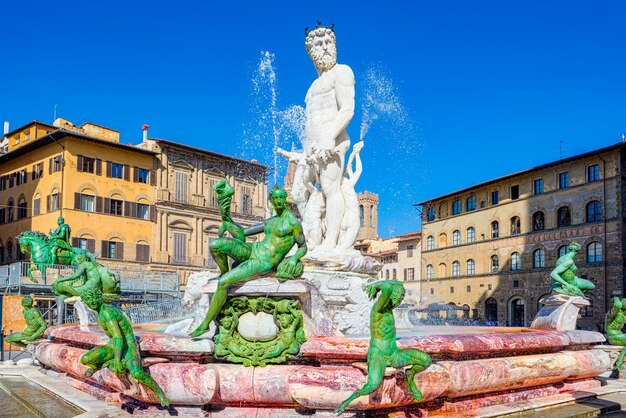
[(155, 311), (148, 281)]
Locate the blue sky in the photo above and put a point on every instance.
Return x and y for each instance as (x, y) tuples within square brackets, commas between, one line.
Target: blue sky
[(487, 88)]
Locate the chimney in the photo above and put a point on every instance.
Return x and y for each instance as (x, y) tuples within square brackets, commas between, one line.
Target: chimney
[(6, 127), (145, 128)]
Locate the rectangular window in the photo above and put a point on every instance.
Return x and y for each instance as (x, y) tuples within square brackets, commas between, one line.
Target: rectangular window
[(432, 290), (11, 180), (54, 202), (182, 184), (489, 287), (563, 180), (86, 164), (494, 197), (451, 289), (116, 207), (409, 251), (87, 203), (3, 183), (3, 215), (514, 192), (246, 201), (593, 173), (515, 283), (82, 243), (142, 253), (410, 274), (112, 249), (180, 248), (143, 175), (56, 164), (213, 204), (143, 211), (538, 186), (117, 171), (469, 289), (23, 176)]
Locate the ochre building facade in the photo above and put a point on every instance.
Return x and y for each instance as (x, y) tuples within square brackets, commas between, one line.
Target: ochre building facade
[(492, 246)]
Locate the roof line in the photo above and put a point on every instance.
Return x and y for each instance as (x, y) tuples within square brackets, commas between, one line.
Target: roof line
[(519, 173)]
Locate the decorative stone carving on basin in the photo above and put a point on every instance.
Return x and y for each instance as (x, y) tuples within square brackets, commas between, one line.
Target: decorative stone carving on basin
[(257, 327), (559, 312)]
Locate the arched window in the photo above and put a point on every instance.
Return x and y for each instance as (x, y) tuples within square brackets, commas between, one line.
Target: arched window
[(372, 215), (456, 207), (430, 214), (387, 274), (594, 211), (21, 208), (495, 264), (394, 274), (539, 259), (430, 243), (562, 250), (491, 311), (563, 216), (495, 229), (443, 241), (362, 215), (9, 251), (430, 271), (515, 225), (516, 261), (1, 253), (470, 203), (471, 267), (471, 234), (441, 270), (517, 312), (10, 209), (456, 268), (539, 221), (594, 252), (456, 237)]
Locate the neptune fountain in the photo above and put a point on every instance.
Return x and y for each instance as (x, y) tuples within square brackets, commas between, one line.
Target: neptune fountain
[(276, 333)]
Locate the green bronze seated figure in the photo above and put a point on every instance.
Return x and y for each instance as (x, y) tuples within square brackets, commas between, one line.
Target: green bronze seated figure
[(282, 232), (564, 279), (35, 325), (121, 353), (614, 323), (383, 351), (90, 275)]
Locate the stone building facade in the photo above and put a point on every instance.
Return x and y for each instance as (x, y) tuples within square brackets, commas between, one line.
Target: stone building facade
[(187, 212), (492, 246), (368, 214)]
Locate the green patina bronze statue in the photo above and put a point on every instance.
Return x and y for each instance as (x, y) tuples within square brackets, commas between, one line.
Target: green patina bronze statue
[(88, 275), (282, 232), (121, 353), (59, 239), (614, 323), (383, 351), (35, 325), (564, 279), (231, 346)]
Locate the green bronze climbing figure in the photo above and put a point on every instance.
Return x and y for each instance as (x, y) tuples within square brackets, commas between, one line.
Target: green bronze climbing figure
[(564, 279), (121, 353), (383, 351), (614, 322), (282, 232), (35, 325), (92, 275)]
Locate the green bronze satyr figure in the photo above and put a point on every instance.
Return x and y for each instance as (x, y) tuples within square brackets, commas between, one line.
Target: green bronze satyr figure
[(564, 279), (383, 351), (282, 232), (615, 321), (121, 353), (92, 275), (35, 325)]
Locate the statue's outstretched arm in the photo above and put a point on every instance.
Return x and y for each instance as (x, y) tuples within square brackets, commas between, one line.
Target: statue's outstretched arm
[(74, 276), (255, 229)]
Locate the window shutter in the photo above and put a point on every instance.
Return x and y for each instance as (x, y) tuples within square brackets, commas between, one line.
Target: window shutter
[(48, 203), (91, 245), (107, 205), (77, 201), (133, 210), (36, 207), (50, 166), (108, 168), (32, 175), (60, 202), (119, 250), (127, 211), (98, 167), (105, 249), (75, 242), (99, 204), (135, 174), (152, 213), (152, 178), (126, 172), (80, 163)]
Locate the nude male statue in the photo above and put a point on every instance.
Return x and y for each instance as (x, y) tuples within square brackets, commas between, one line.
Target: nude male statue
[(35, 325), (329, 109), (614, 323), (564, 278), (282, 232)]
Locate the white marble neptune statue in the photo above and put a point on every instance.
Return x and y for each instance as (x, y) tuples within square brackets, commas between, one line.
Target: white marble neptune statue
[(328, 186)]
